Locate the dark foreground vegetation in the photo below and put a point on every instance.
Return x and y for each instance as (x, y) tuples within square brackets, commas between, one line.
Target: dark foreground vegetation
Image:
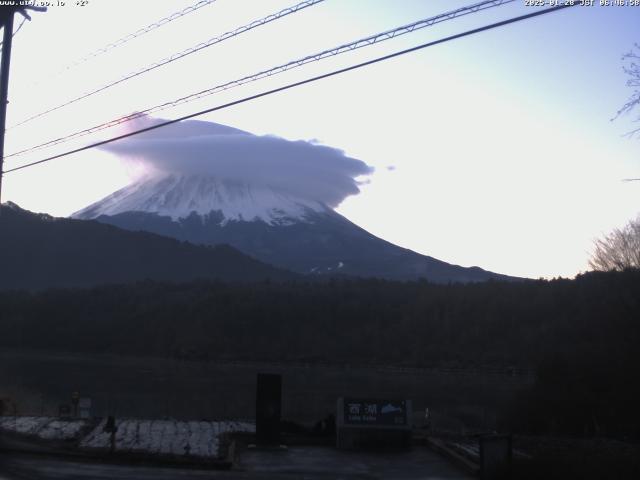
[(581, 336), (568, 458)]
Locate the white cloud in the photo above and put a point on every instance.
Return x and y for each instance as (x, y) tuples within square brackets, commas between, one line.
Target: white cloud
[(302, 168)]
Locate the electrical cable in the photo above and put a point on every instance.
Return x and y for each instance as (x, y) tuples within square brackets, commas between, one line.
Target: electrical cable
[(363, 42), (24, 19), (300, 83), (177, 56), (138, 33)]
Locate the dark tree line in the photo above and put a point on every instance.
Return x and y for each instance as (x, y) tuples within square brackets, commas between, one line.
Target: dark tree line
[(414, 323), (581, 335)]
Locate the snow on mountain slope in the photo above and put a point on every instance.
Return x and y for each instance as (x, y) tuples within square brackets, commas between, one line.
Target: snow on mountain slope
[(270, 225), (178, 196)]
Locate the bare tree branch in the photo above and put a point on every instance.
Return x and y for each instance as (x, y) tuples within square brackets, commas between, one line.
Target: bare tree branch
[(619, 250), (631, 67)]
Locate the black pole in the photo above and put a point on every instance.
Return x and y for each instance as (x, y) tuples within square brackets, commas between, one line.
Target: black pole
[(4, 86)]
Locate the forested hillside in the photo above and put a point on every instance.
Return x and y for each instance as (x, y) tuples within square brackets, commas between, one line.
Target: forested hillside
[(38, 251)]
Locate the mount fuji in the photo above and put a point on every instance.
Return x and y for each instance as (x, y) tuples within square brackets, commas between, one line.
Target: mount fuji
[(269, 197), (269, 224)]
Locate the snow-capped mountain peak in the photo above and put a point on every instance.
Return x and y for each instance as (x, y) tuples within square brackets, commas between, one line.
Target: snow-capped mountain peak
[(268, 223), (178, 196)]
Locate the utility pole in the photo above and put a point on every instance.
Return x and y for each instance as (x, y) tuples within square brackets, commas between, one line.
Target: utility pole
[(7, 37), (7, 13)]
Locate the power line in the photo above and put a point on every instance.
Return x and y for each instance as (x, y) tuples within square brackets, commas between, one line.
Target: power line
[(176, 56), (138, 33), (363, 42), (24, 19), (300, 83)]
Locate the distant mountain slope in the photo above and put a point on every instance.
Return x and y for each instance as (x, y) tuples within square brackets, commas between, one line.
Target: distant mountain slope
[(39, 251), (269, 224)]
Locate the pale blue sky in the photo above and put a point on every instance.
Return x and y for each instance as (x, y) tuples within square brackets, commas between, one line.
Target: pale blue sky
[(504, 153)]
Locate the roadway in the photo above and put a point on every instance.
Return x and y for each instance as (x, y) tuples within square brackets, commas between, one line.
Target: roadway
[(309, 463)]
